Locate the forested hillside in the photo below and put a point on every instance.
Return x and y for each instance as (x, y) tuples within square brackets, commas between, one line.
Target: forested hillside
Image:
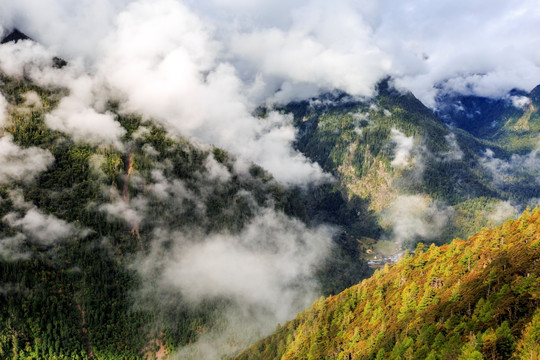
[(76, 218), (392, 152), (470, 299)]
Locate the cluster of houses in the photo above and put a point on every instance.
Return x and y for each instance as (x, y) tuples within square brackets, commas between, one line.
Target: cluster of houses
[(379, 261)]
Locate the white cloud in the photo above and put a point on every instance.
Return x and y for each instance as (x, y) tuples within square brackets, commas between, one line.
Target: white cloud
[(24, 57), (81, 113), (502, 212), (203, 67), (216, 171), (416, 217), (76, 115), (266, 272), (403, 151), (454, 152), (21, 164), (520, 102), (517, 165), (348, 44), (131, 212), (32, 100), (182, 82), (45, 229), (11, 248)]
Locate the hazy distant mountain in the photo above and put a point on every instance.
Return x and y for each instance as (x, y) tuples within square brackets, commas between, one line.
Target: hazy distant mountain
[(512, 121)]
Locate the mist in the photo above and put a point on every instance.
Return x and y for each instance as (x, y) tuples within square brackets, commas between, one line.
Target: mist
[(516, 167), (21, 164), (417, 217), (260, 276)]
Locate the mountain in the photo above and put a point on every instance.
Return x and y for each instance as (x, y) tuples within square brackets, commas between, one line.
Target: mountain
[(386, 150), (139, 242), (512, 121), (14, 36), (86, 230), (470, 299)]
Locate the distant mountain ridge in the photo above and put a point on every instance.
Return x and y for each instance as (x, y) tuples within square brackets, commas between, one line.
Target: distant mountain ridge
[(512, 121)]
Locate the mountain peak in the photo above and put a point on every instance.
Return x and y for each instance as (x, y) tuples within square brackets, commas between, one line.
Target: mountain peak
[(15, 36)]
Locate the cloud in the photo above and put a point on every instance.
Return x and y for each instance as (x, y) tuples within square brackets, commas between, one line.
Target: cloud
[(24, 57), (31, 226), (404, 146), (413, 217), (42, 228), (203, 68), (183, 83), (32, 101), (216, 171), (11, 248), (346, 45), (21, 164), (81, 113), (515, 167), (502, 212), (520, 102), (454, 152), (131, 211), (76, 115), (265, 272)]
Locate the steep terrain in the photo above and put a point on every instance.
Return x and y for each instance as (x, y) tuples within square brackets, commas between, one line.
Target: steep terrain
[(79, 221), (470, 299), (512, 121), (386, 150)]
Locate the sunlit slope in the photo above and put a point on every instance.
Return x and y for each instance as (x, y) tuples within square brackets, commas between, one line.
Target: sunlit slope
[(392, 145), (470, 299)]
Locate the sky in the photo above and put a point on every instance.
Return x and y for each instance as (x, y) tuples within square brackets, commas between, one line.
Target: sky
[(201, 68), (288, 49)]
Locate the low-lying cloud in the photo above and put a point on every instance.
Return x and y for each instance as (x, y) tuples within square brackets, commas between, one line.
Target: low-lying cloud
[(517, 166), (265, 273), (21, 164), (42, 228), (403, 151), (416, 217)]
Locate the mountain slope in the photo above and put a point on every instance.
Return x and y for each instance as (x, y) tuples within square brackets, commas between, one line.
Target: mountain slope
[(387, 149), (512, 121), (87, 231), (470, 299)]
